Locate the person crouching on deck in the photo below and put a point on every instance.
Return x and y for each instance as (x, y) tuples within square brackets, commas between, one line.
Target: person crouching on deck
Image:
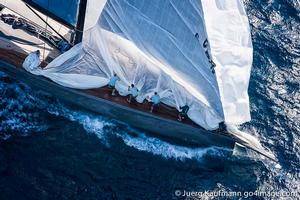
[(183, 113), (155, 101), (32, 61), (112, 83), (133, 92)]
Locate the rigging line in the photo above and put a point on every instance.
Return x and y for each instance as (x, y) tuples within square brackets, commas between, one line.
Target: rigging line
[(78, 30), (26, 43), (22, 16), (59, 30), (44, 48), (46, 33), (62, 37)]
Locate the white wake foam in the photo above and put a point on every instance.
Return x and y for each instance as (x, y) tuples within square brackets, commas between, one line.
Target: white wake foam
[(28, 121), (101, 126)]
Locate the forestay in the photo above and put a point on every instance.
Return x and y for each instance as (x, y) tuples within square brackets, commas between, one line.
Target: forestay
[(161, 47)]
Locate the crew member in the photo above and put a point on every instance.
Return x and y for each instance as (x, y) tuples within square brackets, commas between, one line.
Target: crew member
[(112, 83), (32, 61), (183, 113), (222, 127), (155, 101), (133, 93), (63, 46)]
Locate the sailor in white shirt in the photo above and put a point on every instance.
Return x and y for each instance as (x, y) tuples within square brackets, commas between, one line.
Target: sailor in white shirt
[(32, 61)]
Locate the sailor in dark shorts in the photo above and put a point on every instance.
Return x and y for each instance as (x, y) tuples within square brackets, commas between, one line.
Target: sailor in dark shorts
[(155, 101), (133, 93), (222, 127), (112, 84), (183, 113)]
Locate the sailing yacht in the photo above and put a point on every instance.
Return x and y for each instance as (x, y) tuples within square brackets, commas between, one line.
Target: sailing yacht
[(195, 53)]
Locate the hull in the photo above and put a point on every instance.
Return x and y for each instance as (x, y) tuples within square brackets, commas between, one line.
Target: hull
[(166, 128)]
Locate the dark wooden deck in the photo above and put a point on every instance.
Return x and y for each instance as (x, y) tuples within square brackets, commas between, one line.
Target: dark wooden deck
[(16, 58)]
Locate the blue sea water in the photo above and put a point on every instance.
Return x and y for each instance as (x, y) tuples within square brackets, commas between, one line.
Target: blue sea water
[(49, 150)]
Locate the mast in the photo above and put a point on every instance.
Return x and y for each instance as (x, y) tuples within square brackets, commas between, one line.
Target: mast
[(80, 21)]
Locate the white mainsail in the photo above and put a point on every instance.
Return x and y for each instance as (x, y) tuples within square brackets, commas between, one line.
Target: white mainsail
[(158, 46)]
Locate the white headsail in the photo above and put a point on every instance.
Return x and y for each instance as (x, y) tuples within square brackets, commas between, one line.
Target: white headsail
[(230, 42), (161, 45)]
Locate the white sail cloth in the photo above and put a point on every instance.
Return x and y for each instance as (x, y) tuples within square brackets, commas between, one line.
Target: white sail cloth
[(158, 46), (230, 41), (31, 62)]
